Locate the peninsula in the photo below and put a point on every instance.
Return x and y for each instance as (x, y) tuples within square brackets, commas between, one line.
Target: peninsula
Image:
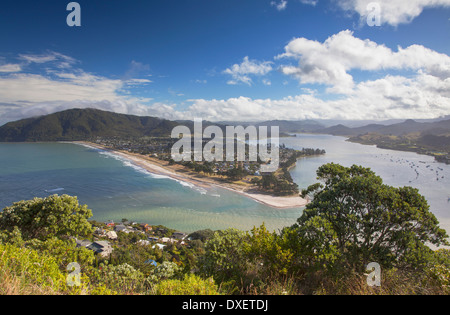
[(181, 173)]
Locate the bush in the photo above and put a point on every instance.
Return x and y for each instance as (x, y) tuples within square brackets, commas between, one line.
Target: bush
[(123, 279), (28, 272), (54, 216), (164, 271), (190, 285)]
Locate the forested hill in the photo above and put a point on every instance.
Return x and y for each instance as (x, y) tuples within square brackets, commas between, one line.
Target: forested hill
[(437, 128), (83, 124)]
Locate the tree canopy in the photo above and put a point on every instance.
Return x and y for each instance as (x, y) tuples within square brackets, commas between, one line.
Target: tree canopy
[(355, 219), (44, 218)]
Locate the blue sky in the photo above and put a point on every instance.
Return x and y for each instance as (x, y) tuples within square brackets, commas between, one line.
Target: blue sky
[(227, 59)]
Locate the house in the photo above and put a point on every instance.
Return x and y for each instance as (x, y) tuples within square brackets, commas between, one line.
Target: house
[(83, 243), (179, 235), (146, 227), (160, 246), (144, 242), (110, 223), (121, 228), (100, 232), (111, 235), (168, 240), (102, 248)]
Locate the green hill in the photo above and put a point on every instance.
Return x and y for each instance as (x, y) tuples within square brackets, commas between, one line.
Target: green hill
[(83, 124)]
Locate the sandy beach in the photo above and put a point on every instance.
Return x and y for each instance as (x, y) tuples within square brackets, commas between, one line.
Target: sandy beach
[(177, 172)]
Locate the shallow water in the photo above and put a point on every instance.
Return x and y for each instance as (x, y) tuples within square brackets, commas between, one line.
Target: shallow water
[(114, 188), (396, 168)]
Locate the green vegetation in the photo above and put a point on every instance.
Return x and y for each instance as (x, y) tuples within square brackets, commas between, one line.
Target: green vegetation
[(353, 220), (437, 146), (84, 124)]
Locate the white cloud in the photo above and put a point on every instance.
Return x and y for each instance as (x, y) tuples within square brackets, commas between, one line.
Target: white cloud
[(51, 56), (393, 12), (138, 82), (240, 73), (33, 88), (330, 62), (29, 94), (8, 68), (423, 96), (310, 2), (422, 90), (282, 5)]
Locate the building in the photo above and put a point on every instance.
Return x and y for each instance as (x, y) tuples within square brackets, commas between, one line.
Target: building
[(179, 235), (111, 235), (160, 246), (146, 227), (121, 228), (101, 248), (110, 223)]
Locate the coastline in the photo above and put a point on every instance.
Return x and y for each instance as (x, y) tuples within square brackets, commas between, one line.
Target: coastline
[(177, 172)]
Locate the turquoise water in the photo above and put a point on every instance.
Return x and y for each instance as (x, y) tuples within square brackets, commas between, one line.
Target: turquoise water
[(114, 188), (396, 168)]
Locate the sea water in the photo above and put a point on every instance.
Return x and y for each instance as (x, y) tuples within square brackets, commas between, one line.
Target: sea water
[(114, 188)]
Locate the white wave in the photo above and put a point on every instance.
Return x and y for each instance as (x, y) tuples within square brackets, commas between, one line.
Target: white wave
[(54, 190), (139, 169)]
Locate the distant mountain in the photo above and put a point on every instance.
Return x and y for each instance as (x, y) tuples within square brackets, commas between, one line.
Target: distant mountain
[(293, 126), (82, 124), (286, 126), (438, 128)]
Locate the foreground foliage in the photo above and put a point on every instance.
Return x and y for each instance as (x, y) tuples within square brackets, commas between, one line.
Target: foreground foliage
[(353, 220)]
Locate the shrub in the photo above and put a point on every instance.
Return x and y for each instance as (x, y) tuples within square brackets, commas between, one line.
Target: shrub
[(27, 269), (190, 285)]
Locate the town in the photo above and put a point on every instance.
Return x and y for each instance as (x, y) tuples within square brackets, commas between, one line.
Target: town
[(142, 243), (248, 174)]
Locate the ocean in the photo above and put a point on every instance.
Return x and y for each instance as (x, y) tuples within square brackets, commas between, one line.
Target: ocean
[(114, 189)]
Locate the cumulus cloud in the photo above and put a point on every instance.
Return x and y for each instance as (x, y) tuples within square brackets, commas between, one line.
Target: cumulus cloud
[(420, 90), (25, 94), (424, 96), (331, 62), (393, 12), (241, 73)]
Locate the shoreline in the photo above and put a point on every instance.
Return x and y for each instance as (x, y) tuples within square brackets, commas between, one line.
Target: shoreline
[(178, 173)]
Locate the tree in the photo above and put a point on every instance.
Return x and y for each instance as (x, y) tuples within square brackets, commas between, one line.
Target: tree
[(265, 248), (355, 219), (54, 216), (224, 257)]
